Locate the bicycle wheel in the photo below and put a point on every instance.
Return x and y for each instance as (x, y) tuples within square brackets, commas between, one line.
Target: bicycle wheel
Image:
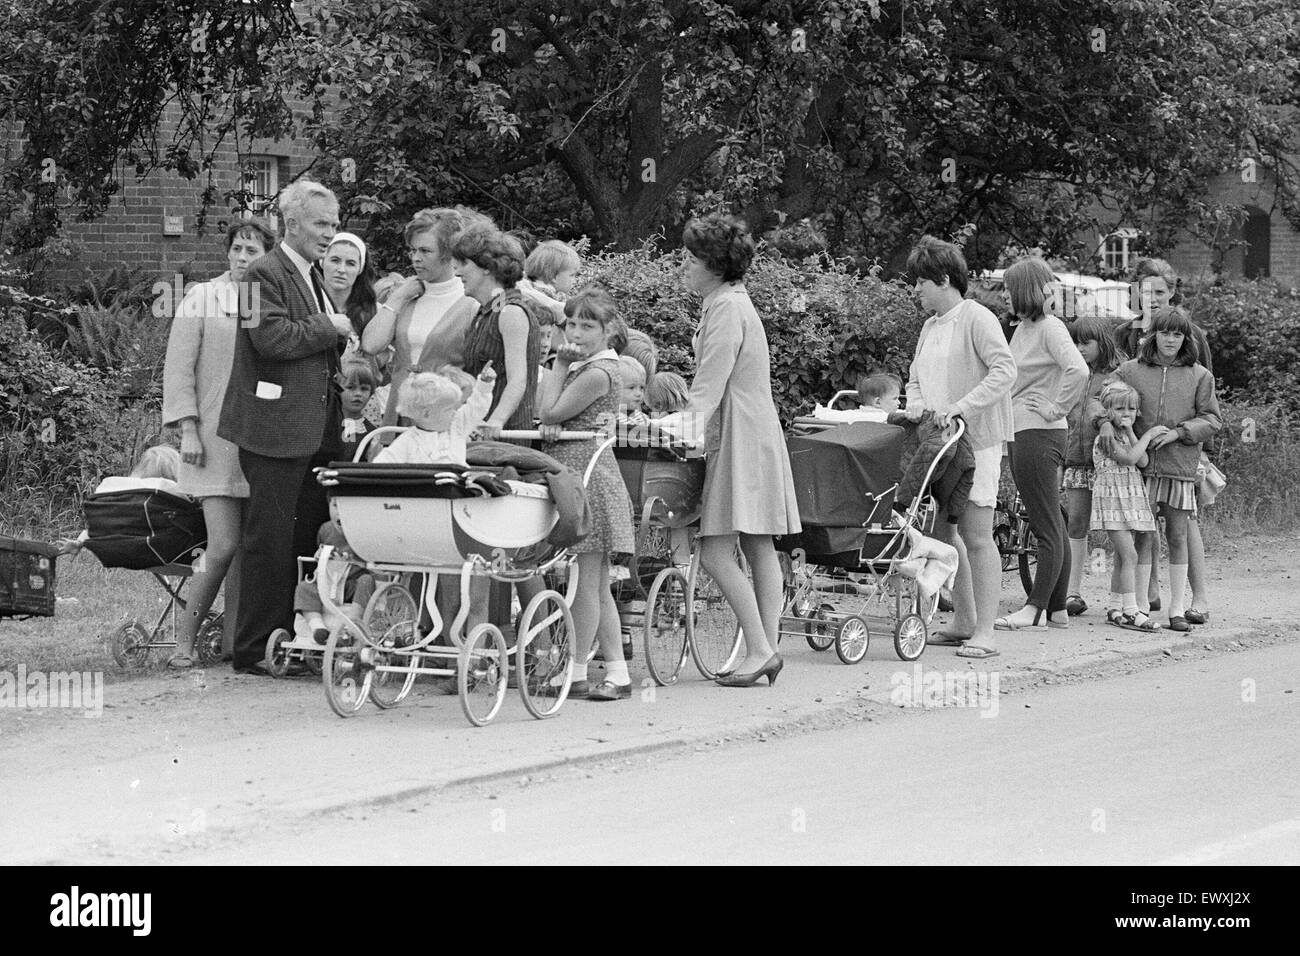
[(664, 631), (712, 631), (1028, 561)]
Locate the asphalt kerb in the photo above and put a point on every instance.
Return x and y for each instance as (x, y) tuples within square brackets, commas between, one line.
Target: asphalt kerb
[(793, 719)]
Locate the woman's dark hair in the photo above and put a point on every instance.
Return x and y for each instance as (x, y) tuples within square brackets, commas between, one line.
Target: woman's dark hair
[(935, 259), (526, 240), (258, 229), (1101, 331), (361, 305), (1170, 318), (491, 249), (722, 243)]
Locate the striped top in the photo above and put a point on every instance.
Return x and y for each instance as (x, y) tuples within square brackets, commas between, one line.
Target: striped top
[(484, 344)]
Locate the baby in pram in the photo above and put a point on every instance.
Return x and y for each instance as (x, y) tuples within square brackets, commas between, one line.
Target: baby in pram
[(444, 408)]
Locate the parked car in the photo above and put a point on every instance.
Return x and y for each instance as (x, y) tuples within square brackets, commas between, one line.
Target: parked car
[(1079, 295)]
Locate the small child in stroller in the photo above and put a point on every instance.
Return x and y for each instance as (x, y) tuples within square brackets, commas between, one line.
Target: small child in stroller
[(310, 620), (157, 468)]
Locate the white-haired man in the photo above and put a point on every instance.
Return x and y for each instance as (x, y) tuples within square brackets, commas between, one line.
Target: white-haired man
[(282, 409)]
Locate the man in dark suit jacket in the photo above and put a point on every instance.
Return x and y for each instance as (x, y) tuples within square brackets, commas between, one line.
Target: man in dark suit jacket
[(282, 409)]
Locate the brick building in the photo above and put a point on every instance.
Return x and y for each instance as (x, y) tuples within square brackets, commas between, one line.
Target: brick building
[(153, 223)]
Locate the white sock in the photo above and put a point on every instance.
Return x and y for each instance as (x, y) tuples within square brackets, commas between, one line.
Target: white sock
[(616, 673), (1116, 601), (1129, 602), (578, 671), (1177, 589), (1141, 577), (1078, 560)]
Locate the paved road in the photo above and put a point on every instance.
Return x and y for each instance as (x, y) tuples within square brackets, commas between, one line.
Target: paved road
[(1171, 764)]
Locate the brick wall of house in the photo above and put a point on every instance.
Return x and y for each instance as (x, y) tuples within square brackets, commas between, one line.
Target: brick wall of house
[(1195, 259), (131, 231)]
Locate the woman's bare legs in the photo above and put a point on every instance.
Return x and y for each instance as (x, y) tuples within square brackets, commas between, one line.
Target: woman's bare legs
[(963, 594), (981, 556), (769, 583), (718, 558), (223, 517)]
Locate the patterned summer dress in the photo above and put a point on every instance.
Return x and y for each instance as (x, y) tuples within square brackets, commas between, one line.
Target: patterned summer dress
[(1119, 495), (483, 344), (611, 509)]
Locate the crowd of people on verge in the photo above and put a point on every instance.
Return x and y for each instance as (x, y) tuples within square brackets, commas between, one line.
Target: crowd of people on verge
[(490, 333)]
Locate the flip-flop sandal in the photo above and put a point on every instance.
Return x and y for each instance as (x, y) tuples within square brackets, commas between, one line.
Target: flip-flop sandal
[(977, 652), (1004, 624), (945, 639)]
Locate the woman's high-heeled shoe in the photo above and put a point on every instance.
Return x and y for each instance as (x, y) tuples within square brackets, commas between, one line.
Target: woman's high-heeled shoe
[(770, 669)]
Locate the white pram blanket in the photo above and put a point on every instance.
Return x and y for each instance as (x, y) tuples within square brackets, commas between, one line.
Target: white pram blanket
[(931, 562)]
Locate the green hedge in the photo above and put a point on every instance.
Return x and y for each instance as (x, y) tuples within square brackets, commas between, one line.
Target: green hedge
[(825, 325), (1254, 334)]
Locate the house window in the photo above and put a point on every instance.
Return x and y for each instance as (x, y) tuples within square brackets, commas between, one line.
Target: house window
[(1115, 249), (261, 184)]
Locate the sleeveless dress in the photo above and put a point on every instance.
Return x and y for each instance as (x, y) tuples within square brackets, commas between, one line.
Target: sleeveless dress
[(484, 344), (611, 508), (1119, 495)]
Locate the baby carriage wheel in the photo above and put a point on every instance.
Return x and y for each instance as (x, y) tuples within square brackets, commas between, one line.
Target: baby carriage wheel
[(543, 650), (208, 644), (393, 618), (851, 639), (314, 661), (910, 637), (817, 632), (664, 634), (712, 630), (277, 658), (130, 644), (483, 673), (345, 675)]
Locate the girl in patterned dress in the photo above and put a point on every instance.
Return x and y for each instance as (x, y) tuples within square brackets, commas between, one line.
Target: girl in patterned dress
[(1095, 339), (1119, 500), (581, 393)]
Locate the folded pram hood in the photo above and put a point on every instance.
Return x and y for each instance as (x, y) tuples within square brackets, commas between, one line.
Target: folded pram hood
[(837, 471)]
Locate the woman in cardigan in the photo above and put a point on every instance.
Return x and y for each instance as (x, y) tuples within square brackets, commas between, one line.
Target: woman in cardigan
[(200, 352), (1050, 377), (963, 366), (505, 332), (426, 317), (748, 488)]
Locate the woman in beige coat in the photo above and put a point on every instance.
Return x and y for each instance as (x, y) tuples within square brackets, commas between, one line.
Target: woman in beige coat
[(200, 352), (748, 488)]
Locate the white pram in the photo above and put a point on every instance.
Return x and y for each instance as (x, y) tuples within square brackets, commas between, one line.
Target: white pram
[(423, 521)]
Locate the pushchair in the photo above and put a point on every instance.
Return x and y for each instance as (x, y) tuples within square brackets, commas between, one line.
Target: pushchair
[(857, 556), (419, 522), (162, 533)]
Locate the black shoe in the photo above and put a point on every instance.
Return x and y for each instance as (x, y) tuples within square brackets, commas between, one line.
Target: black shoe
[(609, 691), (254, 670)]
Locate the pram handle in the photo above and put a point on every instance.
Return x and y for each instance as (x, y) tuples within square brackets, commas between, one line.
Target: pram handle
[(518, 435), (843, 393)]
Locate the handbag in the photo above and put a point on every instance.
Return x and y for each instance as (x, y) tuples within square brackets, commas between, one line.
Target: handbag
[(1209, 480)]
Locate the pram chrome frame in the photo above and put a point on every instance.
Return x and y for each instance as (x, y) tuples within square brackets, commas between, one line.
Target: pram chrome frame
[(806, 617), (359, 664)]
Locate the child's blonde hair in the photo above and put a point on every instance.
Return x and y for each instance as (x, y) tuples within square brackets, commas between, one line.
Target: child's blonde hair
[(160, 461), (429, 399), (550, 258), (631, 366), (1112, 395), (667, 392)]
